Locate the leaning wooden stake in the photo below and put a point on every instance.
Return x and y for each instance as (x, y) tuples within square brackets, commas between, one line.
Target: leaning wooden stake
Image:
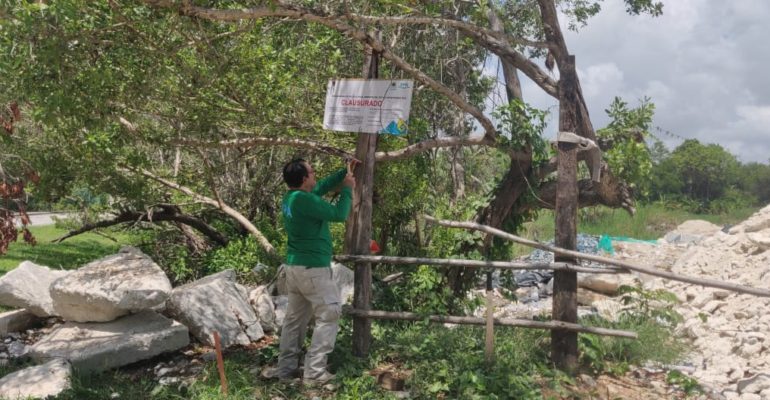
[(220, 363), (590, 257)]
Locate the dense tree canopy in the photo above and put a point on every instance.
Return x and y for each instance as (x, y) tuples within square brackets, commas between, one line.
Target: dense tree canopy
[(189, 108)]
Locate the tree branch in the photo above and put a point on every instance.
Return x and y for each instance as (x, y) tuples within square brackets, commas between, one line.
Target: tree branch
[(451, 141), (222, 206), (452, 23), (266, 141), (166, 214)]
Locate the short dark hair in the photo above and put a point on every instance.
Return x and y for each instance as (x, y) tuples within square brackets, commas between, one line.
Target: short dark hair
[(294, 171)]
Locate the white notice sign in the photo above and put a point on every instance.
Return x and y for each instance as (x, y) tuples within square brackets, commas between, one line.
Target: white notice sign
[(368, 105)]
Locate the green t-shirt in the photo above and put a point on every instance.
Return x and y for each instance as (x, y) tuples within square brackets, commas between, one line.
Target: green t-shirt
[(306, 217)]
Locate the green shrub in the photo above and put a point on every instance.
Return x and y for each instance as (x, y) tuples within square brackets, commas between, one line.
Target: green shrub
[(242, 255), (648, 313)]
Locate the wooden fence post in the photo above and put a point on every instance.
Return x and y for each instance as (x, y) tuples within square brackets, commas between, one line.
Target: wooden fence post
[(564, 350), (359, 226)]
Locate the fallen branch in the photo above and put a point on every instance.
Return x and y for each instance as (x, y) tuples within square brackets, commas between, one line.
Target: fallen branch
[(590, 257), (261, 239), (164, 215), (523, 323), (445, 262)]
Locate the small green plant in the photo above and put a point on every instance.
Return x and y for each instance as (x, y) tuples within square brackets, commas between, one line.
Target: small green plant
[(656, 304), (703, 317), (648, 313), (689, 385)]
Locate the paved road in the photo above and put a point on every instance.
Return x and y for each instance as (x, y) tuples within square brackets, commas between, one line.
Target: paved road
[(42, 218)]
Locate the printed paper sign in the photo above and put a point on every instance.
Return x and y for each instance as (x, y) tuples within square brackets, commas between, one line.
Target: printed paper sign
[(368, 105)]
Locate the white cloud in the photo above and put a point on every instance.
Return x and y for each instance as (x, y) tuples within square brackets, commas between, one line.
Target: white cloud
[(600, 79), (704, 64), (755, 117)]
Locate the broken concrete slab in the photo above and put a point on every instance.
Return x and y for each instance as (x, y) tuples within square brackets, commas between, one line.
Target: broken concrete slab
[(39, 381), (216, 303), (95, 347), (17, 321), (27, 286), (111, 287), (263, 306)]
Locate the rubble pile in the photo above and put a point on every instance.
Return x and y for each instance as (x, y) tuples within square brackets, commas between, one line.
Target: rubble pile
[(730, 332), (122, 309)]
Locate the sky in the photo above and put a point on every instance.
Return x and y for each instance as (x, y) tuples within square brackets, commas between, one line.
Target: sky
[(704, 63)]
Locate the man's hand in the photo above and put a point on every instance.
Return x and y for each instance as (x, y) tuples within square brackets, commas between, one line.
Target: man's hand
[(350, 180), (352, 162)]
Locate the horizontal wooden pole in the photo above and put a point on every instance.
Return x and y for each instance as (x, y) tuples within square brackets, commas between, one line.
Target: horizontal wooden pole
[(447, 262), (523, 323), (591, 257)]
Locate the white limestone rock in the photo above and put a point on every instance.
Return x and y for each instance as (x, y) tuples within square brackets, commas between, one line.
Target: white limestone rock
[(111, 287), (260, 300), (216, 303), (96, 347), (754, 384), (40, 381), (27, 287)]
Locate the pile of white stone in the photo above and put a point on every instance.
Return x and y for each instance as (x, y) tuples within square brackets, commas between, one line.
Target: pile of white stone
[(119, 310), (730, 332)]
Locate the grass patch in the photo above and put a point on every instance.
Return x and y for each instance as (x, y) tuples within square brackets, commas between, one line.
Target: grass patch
[(651, 221), (70, 254)]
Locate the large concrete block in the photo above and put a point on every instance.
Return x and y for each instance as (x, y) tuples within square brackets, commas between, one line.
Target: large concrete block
[(111, 287), (216, 303), (94, 347), (39, 381), (27, 286)]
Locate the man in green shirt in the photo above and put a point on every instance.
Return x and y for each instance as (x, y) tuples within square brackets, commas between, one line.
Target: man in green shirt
[(312, 291)]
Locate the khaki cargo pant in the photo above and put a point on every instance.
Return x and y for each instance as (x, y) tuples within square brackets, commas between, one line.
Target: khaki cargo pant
[(312, 293)]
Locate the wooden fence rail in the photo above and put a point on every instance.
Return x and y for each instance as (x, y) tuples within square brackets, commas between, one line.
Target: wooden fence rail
[(591, 257), (447, 262), (524, 323)]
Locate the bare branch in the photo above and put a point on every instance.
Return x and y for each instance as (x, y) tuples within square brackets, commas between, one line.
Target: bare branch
[(266, 141), (452, 141), (161, 216), (452, 23), (224, 207)]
